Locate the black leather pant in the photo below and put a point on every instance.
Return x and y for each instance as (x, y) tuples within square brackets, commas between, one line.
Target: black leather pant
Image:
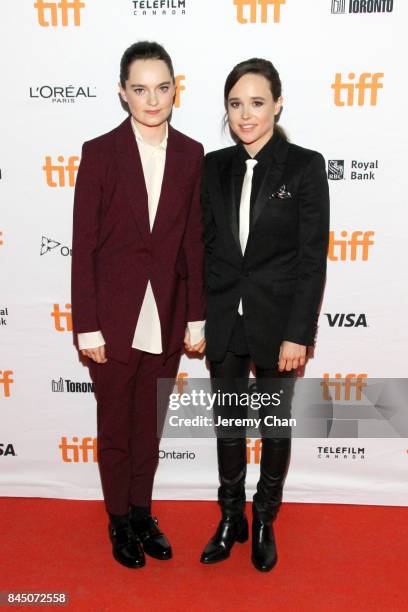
[(232, 376)]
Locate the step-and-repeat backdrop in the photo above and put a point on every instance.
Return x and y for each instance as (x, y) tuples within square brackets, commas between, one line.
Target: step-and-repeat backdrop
[(345, 95)]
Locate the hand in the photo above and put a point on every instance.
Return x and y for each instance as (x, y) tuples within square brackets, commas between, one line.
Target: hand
[(193, 348), (96, 354), (291, 356)]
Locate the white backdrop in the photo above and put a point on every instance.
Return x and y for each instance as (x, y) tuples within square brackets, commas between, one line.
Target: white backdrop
[(60, 89)]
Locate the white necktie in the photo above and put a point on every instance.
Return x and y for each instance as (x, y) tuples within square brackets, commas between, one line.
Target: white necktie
[(245, 204), (244, 209)]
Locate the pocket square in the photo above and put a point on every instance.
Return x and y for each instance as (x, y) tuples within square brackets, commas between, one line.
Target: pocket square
[(282, 193)]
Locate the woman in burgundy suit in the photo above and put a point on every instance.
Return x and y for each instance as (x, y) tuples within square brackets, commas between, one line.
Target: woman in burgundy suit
[(266, 216), (137, 287)]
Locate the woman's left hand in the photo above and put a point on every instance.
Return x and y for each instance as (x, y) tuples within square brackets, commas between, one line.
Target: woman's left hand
[(291, 356)]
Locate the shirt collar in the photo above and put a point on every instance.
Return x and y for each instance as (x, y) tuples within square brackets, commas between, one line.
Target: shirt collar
[(263, 154), (139, 137)]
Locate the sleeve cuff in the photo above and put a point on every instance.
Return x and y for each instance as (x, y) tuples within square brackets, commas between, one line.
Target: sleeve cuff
[(90, 340), (196, 329)]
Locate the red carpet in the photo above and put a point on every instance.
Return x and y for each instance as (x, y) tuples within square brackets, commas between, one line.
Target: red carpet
[(331, 558)]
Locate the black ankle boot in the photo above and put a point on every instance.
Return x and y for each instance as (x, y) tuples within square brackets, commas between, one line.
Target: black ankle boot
[(126, 547), (264, 553), (154, 542), (230, 529)]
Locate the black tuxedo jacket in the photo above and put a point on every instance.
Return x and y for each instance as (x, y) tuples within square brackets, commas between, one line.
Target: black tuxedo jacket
[(281, 275)]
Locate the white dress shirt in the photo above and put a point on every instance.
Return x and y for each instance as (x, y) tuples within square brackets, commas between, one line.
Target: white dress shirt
[(147, 336)]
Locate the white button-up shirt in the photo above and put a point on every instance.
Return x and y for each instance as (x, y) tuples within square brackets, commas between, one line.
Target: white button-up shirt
[(147, 335)]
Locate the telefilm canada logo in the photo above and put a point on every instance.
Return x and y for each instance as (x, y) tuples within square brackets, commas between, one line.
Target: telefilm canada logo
[(357, 170), (340, 7), (66, 385), (340, 453), (157, 8), (48, 245), (62, 94)]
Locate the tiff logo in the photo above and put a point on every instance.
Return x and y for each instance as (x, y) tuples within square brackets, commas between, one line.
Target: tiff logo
[(366, 82), (341, 249), (47, 12), (253, 453), (253, 10), (179, 89), (6, 381), (55, 174), (342, 386), (181, 382), (77, 452), (59, 316)]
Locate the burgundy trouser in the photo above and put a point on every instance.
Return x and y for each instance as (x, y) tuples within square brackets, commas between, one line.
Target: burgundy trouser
[(128, 438)]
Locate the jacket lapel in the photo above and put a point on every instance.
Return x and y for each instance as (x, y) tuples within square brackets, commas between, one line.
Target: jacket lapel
[(131, 172), (175, 160), (231, 179), (272, 179)]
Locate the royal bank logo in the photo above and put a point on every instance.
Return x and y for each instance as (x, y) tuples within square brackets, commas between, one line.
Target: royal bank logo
[(158, 8), (258, 11), (340, 7), (339, 453), (357, 169), (342, 319), (65, 385), (48, 245), (4, 313), (65, 94), (177, 455), (335, 169), (63, 13)]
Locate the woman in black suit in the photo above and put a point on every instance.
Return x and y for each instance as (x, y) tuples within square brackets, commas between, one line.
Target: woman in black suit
[(266, 228)]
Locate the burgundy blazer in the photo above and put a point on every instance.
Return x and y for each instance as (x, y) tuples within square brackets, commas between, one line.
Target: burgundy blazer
[(114, 253)]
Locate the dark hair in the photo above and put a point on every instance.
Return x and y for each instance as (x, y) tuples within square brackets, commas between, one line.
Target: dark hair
[(143, 50), (262, 67)]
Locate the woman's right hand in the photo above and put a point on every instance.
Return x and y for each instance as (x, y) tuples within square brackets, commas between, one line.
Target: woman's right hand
[(291, 356), (96, 354)]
